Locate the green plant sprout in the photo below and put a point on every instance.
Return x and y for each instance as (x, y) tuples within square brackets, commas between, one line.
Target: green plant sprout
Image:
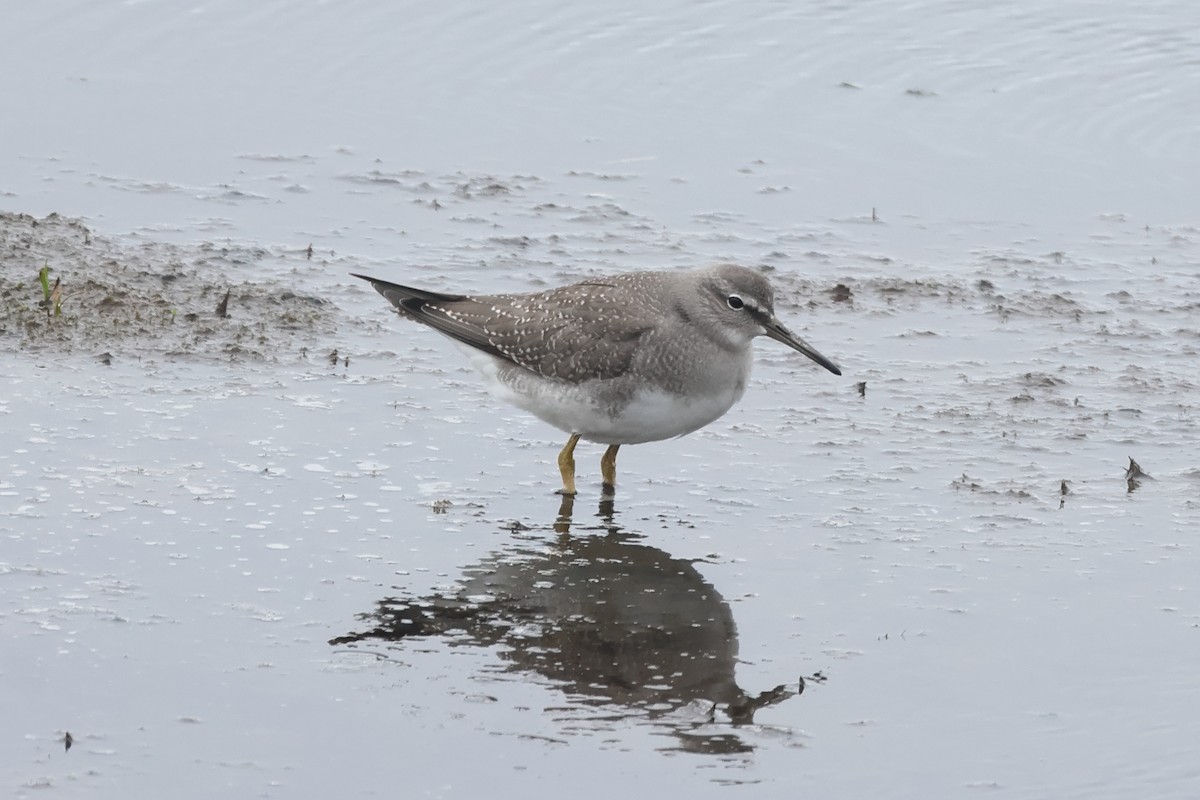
[(52, 297)]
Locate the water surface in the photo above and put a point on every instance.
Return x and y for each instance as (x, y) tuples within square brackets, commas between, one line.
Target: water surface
[(298, 551)]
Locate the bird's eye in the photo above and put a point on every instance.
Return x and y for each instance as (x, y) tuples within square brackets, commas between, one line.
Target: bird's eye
[(734, 301)]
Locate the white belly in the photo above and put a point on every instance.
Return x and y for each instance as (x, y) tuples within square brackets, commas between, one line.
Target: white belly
[(645, 415)]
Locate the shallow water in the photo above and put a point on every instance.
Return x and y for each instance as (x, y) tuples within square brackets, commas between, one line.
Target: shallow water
[(298, 551)]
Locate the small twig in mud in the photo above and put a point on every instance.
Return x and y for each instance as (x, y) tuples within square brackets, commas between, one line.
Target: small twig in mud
[(223, 306), (51, 297), (55, 298)]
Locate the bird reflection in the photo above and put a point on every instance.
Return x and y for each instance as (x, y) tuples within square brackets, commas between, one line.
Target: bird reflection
[(623, 628)]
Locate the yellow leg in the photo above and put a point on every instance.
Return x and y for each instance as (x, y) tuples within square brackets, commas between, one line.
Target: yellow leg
[(608, 467), (566, 465)]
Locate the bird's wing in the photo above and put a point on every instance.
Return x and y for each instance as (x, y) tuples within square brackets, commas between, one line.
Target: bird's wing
[(557, 334)]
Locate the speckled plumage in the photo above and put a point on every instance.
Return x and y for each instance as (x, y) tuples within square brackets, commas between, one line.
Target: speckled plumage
[(626, 359)]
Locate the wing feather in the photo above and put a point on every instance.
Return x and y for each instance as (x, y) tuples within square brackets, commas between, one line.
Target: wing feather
[(557, 334)]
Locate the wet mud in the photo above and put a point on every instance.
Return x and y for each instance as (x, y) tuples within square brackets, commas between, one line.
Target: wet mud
[(150, 299)]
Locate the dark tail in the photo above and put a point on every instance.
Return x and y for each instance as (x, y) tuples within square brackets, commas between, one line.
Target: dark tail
[(406, 298)]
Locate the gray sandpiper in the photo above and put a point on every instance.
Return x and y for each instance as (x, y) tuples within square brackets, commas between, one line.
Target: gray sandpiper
[(631, 358)]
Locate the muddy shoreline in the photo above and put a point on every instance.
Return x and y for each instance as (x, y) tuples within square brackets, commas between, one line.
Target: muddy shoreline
[(153, 298)]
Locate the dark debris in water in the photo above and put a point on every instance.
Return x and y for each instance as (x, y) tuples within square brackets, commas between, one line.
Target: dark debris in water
[(1134, 475), (1135, 471), (153, 298), (1041, 380), (964, 482)]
